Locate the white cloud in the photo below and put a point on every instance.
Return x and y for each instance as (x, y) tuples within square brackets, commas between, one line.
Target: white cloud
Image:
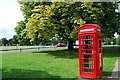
[(10, 14)]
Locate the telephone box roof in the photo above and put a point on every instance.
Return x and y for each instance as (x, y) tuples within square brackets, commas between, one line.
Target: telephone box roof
[(93, 25), (89, 28)]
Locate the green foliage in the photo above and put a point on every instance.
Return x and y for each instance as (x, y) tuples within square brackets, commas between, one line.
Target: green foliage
[(0, 41), (26, 8), (4, 41), (10, 42), (65, 19), (109, 21), (57, 39), (39, 25), (118, 39), (21, 36), (107, 41), (44, 20), (15, 39)]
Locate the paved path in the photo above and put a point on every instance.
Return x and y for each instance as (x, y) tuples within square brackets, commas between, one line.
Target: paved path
[(116, 70), (40, 49)]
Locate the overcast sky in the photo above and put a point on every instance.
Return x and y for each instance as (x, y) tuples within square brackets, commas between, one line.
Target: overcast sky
[(10, 14)]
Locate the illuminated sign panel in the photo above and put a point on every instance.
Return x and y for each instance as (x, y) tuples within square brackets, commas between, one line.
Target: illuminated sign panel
[(85, 30)]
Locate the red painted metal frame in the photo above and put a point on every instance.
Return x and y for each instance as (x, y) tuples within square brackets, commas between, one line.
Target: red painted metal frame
[(94, 31)]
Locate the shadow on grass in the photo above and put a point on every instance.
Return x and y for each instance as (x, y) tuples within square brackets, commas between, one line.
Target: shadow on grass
[(71, 54), (107, 73), (19, 73), (111, 51)]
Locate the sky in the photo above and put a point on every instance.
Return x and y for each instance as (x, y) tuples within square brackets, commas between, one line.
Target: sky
[(10, 14)]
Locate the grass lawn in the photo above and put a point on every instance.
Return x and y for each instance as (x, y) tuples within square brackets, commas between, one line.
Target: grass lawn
[(18, 47), (50, 64), (110, 55)]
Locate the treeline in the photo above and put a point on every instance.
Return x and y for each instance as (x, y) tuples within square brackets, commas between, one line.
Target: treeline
[(13, 41), (5, 42)]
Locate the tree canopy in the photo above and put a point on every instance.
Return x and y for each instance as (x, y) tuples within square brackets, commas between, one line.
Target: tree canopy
[(44, 20)]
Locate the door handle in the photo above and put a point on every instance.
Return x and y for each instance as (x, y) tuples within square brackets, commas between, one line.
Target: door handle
[(94, 51)]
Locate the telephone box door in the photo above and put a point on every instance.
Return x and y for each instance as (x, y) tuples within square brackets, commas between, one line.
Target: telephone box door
[(87, 56)]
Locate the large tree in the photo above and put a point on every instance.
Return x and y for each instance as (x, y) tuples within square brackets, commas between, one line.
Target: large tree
[(57, 18), (65, 18)]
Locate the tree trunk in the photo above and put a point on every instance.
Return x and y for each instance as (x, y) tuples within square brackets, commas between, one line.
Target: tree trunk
[(70, 44)]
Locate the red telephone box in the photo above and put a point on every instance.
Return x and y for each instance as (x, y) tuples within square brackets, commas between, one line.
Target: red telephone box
[(90, 51)]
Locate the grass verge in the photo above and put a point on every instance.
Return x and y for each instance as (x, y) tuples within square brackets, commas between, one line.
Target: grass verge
[(51, 64)]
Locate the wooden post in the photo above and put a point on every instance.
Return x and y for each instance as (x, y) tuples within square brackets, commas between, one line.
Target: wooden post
[(20, 50), (38, 48)]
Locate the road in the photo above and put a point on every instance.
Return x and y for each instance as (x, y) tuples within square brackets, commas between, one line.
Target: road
[(31, 49)]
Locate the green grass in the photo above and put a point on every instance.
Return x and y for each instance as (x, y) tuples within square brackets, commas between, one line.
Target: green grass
[(41, 64), (110, 55), (18, 47), (50, 64)]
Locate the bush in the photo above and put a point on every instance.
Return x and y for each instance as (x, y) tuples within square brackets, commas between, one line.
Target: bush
[(107, 41)]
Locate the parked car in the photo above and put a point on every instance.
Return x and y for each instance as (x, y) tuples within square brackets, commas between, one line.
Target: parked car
[(118, 43), (74, 44), (48, 44), (60, 45)]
